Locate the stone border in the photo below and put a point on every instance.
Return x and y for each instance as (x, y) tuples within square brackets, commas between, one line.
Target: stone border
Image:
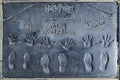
[(7, 1), (1, 34), (58, 79)]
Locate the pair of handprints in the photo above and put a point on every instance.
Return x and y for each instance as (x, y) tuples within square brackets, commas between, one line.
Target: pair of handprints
[(88, 41)]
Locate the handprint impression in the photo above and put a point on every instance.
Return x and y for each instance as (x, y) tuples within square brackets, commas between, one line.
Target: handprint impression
[(106, 41), (87, 41), (67, 44), (13, 38), (46, 42), (30, 38)]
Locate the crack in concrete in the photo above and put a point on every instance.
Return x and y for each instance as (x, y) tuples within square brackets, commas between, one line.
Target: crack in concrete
[(108, 13), (19, 12)]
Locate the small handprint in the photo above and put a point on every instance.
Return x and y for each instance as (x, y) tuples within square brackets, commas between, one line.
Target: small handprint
[(46, 42), (13, 38), (67, 44), (106, 41), (87, 41), (30, 38)]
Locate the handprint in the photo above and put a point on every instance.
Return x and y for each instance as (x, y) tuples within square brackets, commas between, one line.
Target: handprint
[(30, 38), (67, 44), (106, 41), (13, 38), (46, 42), (87, 41)]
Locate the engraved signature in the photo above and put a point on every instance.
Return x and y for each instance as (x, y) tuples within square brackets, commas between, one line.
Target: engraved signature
[(95, 22), (59, 8), (59, 29), (27, 25)]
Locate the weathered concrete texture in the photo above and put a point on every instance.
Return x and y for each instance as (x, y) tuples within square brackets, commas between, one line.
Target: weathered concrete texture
[(1, 31), (58, 79), (0, 69), (40, 78), (79, 40), (1, 38), (60, 0), (119, 36)]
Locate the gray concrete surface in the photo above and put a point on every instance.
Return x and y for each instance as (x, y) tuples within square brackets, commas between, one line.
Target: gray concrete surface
[(1, 27)]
